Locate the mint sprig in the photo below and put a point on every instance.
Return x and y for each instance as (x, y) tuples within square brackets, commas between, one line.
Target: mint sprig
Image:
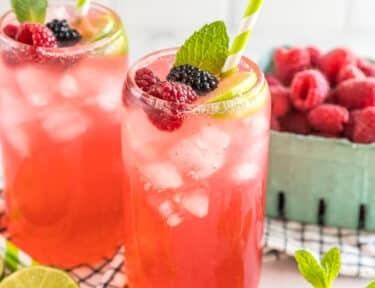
[(206, 49), (319, 275), (30, 10)]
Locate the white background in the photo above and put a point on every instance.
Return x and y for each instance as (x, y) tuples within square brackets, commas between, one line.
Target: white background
[(154, 24)]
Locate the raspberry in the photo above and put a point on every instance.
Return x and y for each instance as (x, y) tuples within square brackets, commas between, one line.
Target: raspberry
[(367, 67), (272, 80), (280, 101), (65, 35), (349, 127), (315, 55), (295, 122), (289, 62), (364, 126), (309, 89), (332, 62), (201, 81), (350, 72), (356, 94), (329, 118), (145, 78), (175, 93), (275, 125), (36, 35), (11, 31)]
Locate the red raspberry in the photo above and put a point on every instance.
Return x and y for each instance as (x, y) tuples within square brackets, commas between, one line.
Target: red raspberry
[(309, 89), (145, 78), (275, 125), (356, 94), (37, 35), (272, 80), (280, 100), (332, 62), (349, 127), (315, 55), (175, 93), (295, 122), (329, 118), (289, 62), (11, 31), (367, 67), (364, 126), (350, 72)]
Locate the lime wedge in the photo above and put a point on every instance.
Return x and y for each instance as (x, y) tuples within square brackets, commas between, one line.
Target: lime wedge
[(233, 86), (238, 85), (39, 277)]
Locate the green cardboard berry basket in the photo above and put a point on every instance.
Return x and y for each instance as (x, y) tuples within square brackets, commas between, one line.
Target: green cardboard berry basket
[(319, 180)]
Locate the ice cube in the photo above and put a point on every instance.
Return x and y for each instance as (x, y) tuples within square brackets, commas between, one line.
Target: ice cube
[(202, 154), (65, 122), (245, 171), (167, 210), (162, 176), (18, 139), (195, 202), (109, 96), (68, 86), (36, 85)]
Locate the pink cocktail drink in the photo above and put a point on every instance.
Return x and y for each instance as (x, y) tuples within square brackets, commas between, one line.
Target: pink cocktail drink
[(60, 134), (195, 200)]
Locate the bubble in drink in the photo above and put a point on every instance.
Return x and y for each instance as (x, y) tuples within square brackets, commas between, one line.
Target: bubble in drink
[(64, 123), (162, 176), (202, 154)]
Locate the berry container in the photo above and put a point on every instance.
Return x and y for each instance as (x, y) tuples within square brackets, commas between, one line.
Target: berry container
[(319, 180)]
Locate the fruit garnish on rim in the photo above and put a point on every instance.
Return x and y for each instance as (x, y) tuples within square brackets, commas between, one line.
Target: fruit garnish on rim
[(197, 71)]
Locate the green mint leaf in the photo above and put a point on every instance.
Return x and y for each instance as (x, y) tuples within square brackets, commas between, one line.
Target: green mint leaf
[(30, 10), (371, 285), (310, 269), (331, 263), (206, 49)]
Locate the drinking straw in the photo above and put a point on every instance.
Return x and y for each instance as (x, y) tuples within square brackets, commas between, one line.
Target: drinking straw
[(241, 39), (83, 7), (14, 257)]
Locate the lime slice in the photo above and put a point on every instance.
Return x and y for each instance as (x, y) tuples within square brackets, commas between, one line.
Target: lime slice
[(39, 277), (233, 86), (239, 86)]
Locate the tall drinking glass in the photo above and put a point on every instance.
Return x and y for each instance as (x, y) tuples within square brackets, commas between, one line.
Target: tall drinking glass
[(195, 201), (60, 135)]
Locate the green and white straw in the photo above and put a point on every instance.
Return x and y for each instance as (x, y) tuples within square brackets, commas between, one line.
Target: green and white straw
[(14, 258), (83, 7), (240, 41)]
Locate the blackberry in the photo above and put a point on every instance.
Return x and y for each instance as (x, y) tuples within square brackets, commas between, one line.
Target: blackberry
[(65, 35), (201, 81)]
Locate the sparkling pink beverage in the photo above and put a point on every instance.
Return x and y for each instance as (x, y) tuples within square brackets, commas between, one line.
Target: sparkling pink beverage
[(195, 202), (60, 134)]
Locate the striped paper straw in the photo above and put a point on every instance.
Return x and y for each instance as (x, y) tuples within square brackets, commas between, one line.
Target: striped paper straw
[(14, 257), (240, 41), (83, 6)]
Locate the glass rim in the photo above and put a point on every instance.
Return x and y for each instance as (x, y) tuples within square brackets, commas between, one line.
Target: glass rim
[(195, 108), (64, 51)]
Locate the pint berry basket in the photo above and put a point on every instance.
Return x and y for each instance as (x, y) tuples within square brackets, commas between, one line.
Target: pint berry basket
[(319, 180)]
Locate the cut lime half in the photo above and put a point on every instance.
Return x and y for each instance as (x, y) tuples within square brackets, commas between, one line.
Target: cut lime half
[(239, 87), (39, 277)]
